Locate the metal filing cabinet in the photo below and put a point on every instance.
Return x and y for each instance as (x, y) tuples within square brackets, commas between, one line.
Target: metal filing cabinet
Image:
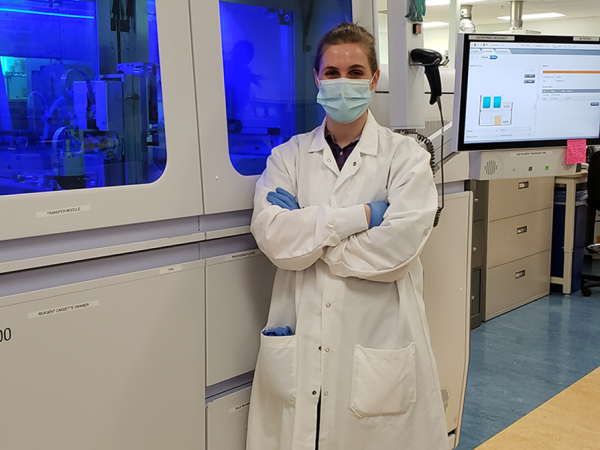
[(519, 239)]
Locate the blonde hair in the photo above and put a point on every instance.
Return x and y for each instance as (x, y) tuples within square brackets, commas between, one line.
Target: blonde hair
[(348, 33)]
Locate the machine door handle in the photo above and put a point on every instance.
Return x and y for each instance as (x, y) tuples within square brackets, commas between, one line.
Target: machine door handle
[(522, 230)]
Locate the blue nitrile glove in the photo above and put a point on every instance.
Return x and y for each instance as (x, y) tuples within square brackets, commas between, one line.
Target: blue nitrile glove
[(378, 209), (279, 331), (283, 198)]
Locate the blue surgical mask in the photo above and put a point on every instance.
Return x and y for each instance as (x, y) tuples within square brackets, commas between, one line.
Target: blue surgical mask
[(343, 99)]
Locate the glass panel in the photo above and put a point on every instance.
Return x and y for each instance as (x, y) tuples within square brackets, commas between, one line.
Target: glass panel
[(268, 53), (80, 97)]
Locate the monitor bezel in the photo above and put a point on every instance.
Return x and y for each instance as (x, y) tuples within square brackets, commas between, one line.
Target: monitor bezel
[(461, 82)]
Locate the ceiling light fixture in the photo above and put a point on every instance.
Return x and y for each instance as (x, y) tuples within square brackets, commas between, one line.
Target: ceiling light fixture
[(447, 2), (551, 15), (435, 24), (440, 3)]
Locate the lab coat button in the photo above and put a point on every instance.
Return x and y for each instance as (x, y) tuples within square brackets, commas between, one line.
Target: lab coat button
[(328, 305), (319, 347), (329, 160), (354, 164), (314, 392), (325, 393), (327, 349)]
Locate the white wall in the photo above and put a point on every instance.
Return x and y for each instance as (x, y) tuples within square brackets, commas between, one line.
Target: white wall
[(437, 38)]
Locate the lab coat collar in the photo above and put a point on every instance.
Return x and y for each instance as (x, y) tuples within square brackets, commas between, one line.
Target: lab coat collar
[(319, 143), (366, 145), (368, 141)]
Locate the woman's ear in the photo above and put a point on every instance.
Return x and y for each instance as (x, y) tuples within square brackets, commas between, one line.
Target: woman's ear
[(316, 78), (375, 80)]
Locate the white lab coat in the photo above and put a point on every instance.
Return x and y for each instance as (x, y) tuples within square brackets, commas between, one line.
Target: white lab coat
[(352, 296)]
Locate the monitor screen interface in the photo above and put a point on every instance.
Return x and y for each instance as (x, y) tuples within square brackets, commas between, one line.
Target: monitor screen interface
[(528, 91)]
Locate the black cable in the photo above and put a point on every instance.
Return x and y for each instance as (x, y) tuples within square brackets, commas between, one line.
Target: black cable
[(429, 146), (440, 208)]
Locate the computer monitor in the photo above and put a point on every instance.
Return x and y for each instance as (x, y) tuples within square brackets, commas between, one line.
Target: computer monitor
[(525, 91)]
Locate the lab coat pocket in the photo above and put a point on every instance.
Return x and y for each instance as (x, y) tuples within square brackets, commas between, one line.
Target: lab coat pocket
[(383, 381), (277, 365)]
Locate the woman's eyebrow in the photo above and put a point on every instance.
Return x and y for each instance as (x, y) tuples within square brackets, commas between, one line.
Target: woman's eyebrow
[(353, 66)]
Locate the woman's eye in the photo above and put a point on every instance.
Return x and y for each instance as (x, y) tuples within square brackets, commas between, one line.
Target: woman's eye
[(356, 74), (331, 73)]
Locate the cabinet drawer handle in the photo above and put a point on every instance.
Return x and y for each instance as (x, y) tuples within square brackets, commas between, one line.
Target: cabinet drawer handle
[(521, 230), (523, 184), (520, 274)]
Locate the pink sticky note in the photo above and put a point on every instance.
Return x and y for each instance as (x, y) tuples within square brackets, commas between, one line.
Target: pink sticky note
[(576, 151)]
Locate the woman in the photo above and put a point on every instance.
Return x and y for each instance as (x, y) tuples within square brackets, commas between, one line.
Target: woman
[(354, 370)]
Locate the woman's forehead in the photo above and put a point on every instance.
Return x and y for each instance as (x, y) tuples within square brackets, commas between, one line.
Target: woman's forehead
[(344, 55)]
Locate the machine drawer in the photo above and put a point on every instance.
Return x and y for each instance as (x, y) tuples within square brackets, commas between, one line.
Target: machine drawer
[(227, 421), (238, 294), (519, 196), (519, 236), (112, 363), (517, 283)]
